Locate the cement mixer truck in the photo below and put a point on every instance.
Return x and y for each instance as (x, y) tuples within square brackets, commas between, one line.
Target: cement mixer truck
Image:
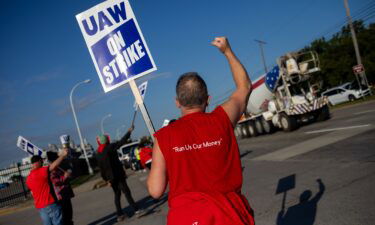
[(284, 98)]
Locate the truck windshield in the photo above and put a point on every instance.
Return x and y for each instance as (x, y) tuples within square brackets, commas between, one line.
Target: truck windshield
[(301, 88)]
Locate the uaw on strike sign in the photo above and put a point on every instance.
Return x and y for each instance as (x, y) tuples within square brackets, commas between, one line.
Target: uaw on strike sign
[(116, 43), (29, 147)]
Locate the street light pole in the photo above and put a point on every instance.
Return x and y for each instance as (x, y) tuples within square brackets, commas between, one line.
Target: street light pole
[(101, 124), (76, 121)]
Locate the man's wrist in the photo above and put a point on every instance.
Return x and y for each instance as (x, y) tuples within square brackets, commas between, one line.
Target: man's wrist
[(229, 53)]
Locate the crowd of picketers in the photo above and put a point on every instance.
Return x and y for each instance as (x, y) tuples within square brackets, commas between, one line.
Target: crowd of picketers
[(49, 179)]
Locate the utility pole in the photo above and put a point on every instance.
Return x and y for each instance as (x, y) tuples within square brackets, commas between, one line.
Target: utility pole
[(356, 48), (261, 43)]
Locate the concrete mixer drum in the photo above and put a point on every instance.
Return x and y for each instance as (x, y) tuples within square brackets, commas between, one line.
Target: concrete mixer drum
[(283, 97)]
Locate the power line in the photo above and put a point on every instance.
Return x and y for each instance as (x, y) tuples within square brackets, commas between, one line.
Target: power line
[(358, 15)]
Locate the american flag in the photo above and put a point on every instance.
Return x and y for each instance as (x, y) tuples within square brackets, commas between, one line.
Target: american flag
[(272, 77)]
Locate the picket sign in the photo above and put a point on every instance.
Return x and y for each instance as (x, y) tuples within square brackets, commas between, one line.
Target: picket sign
[(142, 89), (117, 48), (29, 147)]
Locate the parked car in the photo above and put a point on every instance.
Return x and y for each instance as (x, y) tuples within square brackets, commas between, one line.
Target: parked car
[(364, 91), (126, 154), (339, 95)]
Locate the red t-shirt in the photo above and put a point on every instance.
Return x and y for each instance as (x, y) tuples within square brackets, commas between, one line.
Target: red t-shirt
[(146, 155), (204, 170), (37, 182)]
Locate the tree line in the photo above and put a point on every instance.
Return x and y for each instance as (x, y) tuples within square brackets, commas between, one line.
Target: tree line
[(337, 55)]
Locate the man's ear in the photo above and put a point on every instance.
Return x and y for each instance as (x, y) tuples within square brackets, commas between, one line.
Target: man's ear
[(209, 99), (178, 105)]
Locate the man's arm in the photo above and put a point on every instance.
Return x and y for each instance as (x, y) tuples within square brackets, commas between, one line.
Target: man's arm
[(123, 140), (236, 104), (157, 180), (59, 160)]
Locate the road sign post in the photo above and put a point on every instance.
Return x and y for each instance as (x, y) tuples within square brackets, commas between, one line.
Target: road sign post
[(359, 71)]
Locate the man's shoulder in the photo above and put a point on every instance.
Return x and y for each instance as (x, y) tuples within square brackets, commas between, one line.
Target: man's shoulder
[(34, 173), (42, 169), (218, 111)]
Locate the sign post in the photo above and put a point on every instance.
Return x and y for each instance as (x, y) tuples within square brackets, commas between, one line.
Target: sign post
[(142, 106), (358, 71), (142, 89), (284, 185), (117, 47)]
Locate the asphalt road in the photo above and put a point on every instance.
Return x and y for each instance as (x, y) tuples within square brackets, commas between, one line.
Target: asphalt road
[(339, 152)]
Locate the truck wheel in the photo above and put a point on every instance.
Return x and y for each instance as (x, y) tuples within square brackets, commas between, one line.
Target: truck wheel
[(323, 114), (237, 132), (351, 98), (244, 131), (267, 126), (258, 126), (252, 129), (288, 123)]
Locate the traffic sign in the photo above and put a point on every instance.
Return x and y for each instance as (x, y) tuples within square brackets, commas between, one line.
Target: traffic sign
[(116, 43), (358, 69)]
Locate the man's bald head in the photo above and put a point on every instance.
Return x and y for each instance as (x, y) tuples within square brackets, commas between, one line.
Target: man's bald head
[(191, 90)]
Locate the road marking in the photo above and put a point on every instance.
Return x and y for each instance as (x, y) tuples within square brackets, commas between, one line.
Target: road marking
[(335, 129), (310, 145), (363, 112)]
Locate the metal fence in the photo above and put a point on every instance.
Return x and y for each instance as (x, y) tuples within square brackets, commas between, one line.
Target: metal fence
[(13, 187)]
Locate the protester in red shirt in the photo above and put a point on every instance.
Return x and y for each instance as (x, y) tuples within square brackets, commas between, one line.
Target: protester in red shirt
[(145, 153), (42, 191), (198, 154)]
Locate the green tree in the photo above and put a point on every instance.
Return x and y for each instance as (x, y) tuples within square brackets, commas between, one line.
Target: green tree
[(337, 55)]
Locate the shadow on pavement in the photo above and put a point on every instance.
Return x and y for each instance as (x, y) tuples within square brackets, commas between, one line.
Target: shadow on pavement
[(304, 212), (245, 153), (146, 204)]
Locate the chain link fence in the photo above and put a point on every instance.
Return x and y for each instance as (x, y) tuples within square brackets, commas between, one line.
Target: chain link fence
[(13, 187)]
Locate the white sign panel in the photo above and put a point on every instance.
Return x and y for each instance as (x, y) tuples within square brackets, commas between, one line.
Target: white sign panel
[(116, 43), (142, 89), (29, 147), (165, 123)]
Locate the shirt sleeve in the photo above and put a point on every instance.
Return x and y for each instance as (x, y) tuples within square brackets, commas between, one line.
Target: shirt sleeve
[(162, 137), (222, 116)]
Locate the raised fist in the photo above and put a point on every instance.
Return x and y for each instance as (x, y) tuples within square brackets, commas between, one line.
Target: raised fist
[(64, 152), (131, 128), (222, 44)]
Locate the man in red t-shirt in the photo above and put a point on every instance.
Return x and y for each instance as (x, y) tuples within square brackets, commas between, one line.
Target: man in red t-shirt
[(145, 154), (198, 154), (39, 184)]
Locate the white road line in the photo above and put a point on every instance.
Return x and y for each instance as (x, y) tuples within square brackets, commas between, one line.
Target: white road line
[(363, 112), (309, 145), (335, 129)]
